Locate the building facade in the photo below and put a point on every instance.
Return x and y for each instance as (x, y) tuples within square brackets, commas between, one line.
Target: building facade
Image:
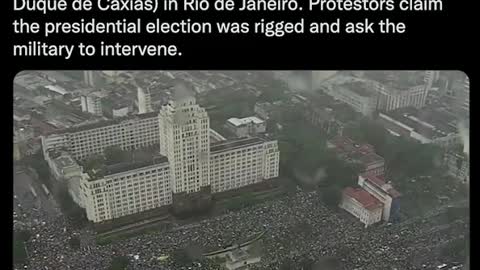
[(362, 205), (87, 140), (92, 103), (126, 192), (356, 95), (185, 141), (144, 100), (392, 97), (458, 165), (382, 191), (238, 163)]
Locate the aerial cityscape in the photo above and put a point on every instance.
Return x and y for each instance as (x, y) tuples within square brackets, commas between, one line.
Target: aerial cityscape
[(237, 170)]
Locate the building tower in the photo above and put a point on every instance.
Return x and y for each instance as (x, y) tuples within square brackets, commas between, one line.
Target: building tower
[(144, 100), (185, 141), (92, 103), (431, 77), (89, 77)]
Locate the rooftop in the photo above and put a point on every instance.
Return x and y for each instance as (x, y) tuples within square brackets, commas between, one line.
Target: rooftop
[(401, 80), (363, 197), (234, 144), (100, 124), (380, 182), (244, 121), (97, 167), (65, 161), (430, 122), (358, 88)]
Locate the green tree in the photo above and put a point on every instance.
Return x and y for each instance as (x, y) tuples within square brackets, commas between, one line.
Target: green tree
[(331, 196), (69, 208), (119, 263), (19, 252), (23, 235), (38, 163)]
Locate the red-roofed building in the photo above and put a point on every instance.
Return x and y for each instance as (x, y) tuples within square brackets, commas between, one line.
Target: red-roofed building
[(377, 186), (363, 154), (362, 205)]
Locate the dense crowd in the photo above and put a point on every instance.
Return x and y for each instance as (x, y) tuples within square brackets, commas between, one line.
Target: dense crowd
[(298, 228)]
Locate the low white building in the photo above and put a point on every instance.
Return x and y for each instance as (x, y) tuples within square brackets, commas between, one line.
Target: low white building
[(245, 127), (376, 186), (356, 94), (409, 123), (62, 165), (362, 205)]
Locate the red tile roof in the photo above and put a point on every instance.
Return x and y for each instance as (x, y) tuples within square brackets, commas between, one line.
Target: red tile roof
[(363, 197)]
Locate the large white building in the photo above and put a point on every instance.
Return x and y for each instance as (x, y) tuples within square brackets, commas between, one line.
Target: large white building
[(185, 141), (83, 141), (185, 163), (126, 189), (238, 163)]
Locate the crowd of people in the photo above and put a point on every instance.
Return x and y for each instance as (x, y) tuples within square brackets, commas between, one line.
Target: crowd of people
[(299, 229)]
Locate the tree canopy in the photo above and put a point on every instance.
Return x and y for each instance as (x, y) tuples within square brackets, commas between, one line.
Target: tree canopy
[(119, 263), (19, 254)]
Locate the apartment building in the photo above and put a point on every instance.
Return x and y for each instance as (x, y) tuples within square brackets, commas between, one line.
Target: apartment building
[(83, 141), (238, 163), (362, 205)]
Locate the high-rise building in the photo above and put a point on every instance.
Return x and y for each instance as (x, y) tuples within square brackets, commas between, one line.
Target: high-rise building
[(89, 78), (144, 100), (185, 141), (431, 76), (465, 97), (92, 103)]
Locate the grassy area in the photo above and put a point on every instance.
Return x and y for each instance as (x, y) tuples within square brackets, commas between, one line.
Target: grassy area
[(145, 229), (250, 199)]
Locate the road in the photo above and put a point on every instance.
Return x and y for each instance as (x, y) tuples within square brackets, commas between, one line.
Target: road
[(23, 179)]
